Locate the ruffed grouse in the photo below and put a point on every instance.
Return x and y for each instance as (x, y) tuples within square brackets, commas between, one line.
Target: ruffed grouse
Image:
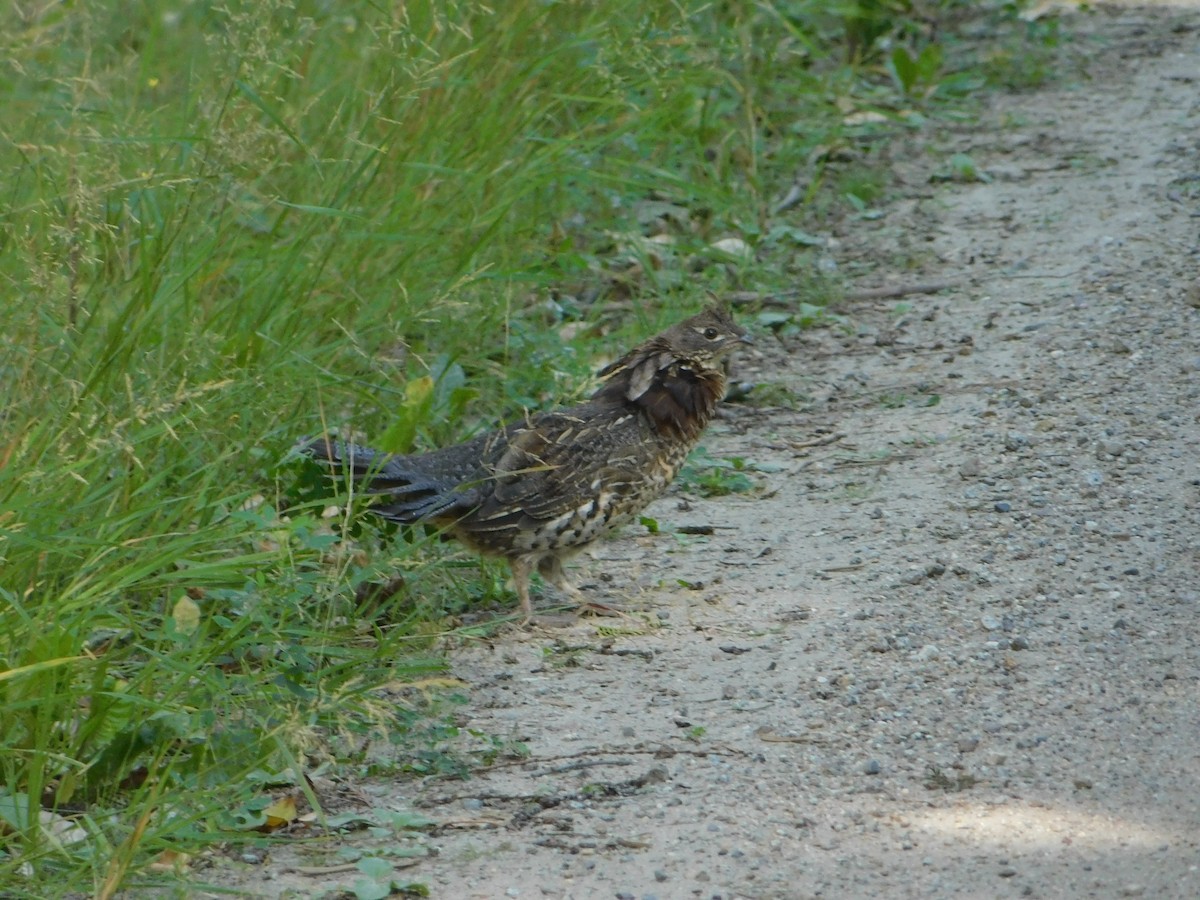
[(537, 491)]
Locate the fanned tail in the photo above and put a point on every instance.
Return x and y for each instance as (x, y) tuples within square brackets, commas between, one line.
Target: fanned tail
[(408, 495)]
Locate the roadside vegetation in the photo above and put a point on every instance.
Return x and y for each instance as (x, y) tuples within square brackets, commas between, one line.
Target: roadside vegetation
[(226, 226)]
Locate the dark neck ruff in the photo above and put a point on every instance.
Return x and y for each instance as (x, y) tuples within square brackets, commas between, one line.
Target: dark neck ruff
[(680, 397)]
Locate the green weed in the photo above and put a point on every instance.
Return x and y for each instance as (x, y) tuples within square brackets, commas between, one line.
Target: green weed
[(711, 477)]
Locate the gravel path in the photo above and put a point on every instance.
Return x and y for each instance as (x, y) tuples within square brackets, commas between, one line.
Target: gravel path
[(950, 648)]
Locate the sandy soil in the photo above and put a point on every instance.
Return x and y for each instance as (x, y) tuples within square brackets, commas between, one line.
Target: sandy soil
[(950, 648)]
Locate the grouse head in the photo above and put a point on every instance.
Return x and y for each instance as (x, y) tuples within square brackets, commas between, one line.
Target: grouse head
[(676, 376)]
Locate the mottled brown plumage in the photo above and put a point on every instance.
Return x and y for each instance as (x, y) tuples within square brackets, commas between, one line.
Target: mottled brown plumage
[(537, 491)]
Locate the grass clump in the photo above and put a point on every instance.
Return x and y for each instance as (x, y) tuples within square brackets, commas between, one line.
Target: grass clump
[(228, 225)]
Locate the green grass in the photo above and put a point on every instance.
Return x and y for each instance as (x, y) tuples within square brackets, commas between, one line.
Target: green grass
[(224, 226)]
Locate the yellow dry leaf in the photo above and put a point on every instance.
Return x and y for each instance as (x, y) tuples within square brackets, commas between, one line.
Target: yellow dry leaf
[(865, 117), (170, 861), (186, 615), (281, 812), (418, 390)]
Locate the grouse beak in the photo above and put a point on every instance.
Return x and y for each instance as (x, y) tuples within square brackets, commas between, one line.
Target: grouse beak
[(745, 339)]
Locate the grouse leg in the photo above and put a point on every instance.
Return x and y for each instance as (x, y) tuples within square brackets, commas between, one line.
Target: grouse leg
[(522, 569), (551, 569)]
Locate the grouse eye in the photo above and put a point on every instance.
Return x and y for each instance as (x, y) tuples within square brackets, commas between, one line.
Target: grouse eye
[(711, 333)]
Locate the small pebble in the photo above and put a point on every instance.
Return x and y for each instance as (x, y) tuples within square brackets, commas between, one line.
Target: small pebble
[(872, 767), (1014, 442), (1003, 506), (473, 804), (660, 875)]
